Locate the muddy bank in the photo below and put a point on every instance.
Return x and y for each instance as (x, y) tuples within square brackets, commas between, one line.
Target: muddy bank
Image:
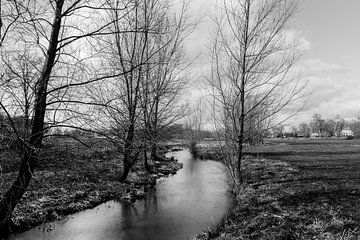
[(69, 185)]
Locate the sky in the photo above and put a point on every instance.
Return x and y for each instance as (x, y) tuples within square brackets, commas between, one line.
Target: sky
[(330, 62)]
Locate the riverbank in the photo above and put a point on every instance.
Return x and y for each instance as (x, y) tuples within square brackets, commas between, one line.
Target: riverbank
[(66, 185), (300, 190)]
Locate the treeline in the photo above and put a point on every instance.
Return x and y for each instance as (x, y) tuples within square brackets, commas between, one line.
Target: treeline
[(321, 127), (173, 132)]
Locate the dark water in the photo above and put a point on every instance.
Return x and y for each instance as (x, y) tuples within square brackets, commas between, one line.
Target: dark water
[(182, 206)]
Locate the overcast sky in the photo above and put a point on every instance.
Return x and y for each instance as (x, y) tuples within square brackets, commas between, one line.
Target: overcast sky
[(331, 31)]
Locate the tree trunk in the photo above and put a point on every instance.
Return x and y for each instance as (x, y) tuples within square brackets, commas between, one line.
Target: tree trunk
[(26, 110), (242, 93), (239, 161), (193, 148), (146, 163), (126, 170), (128, 159), (29, 150), (16, 191), (154, 155)]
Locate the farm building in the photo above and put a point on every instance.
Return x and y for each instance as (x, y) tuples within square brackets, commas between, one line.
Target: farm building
[(318, 135), (346, 132)]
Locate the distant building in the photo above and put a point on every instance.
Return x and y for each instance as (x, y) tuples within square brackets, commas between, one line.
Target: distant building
[(314, 135), (346, 132), (318, 135)]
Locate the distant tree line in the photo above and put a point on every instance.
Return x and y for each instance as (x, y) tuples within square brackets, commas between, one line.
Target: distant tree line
[(321, 127)]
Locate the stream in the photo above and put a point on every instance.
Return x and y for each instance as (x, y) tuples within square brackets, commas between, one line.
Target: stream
[(181, 206)]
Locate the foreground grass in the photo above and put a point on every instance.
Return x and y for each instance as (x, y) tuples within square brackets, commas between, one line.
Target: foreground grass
[(298, 189), (66, 183)]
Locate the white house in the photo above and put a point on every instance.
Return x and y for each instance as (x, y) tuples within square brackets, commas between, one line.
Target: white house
[(346, 132)]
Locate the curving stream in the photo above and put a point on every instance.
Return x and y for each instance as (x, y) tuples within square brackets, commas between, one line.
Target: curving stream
[(182, 206)]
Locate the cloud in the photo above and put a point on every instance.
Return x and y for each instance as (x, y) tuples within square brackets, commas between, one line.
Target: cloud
[(331, 91), (304, 44), (318, 67), (326, 81), (297, 37)]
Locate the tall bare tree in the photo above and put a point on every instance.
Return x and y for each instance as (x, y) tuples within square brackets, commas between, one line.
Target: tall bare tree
[(165, 75), (62, 45), (143, 100), (252, 58), (317, 124), (30, 148), (193, 125), (120, 96)]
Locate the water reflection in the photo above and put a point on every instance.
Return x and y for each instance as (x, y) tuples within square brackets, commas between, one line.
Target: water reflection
[(182, 206)]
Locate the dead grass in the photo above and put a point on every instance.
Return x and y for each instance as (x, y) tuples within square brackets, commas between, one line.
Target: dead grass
[(298, 190), (67, 183)]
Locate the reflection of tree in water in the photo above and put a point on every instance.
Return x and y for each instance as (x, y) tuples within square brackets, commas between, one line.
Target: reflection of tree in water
[(151, 203), (142, 209), (139, 219), (127, 215), (192, 166)]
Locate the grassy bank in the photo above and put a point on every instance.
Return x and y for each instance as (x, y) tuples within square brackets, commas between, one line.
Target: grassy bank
[(297, 189), (66, 183)]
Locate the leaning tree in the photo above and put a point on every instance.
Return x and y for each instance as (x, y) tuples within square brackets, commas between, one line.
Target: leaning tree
[(58, 36)]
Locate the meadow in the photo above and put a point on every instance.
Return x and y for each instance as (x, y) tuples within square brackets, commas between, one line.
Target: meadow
[(71, 177), (297, 189)]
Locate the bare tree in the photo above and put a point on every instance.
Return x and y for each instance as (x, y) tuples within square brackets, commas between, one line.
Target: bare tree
[(339, 125), (317, 124), (165, 76), (62, 45), (193, 125), (29, 149), (252, 58), (144, 100), (126, 53), (304, 129)]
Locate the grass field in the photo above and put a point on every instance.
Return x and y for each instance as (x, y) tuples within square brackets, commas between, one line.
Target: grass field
[(70, 178), (298, 189), (333, 162)]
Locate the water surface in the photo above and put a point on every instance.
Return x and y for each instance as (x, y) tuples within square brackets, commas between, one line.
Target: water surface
[(182, 206)]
